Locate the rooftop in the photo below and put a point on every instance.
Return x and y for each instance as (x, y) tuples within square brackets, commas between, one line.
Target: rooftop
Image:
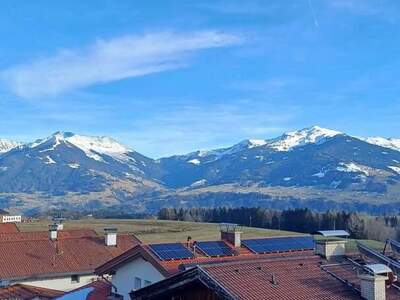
[(8, 228), (306, 277), (75, 251), (27, 292), (173, 266), (97, 290)]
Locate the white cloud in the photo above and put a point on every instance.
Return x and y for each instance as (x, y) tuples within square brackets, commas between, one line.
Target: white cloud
[(105, 61), (179, 129)]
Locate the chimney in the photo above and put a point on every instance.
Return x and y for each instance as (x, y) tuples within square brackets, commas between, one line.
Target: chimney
[(330, 248), (231, 233), (110, 236), (53, 232), (373, 287)]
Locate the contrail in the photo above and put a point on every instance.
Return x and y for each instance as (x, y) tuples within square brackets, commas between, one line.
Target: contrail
[(313, 14)]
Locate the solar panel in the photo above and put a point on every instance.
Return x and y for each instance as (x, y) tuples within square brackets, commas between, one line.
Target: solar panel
[(279, 244), (171, 251), (215, 248)]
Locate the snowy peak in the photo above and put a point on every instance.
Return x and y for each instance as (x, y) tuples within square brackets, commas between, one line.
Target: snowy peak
[(311, 135), (390, 143), (7, 145), (286, 142), (92, 146)]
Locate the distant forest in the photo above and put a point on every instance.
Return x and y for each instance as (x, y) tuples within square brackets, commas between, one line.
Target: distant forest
[(300, 220)]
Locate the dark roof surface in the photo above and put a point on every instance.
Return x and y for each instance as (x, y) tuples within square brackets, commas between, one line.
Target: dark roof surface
[(26, 292), (100, 290)]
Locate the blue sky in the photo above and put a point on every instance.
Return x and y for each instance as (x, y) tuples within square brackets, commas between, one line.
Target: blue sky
[(167, 77)]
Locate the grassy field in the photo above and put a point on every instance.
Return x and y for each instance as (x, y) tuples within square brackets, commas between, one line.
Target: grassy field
[(158, 231), (155, 231)]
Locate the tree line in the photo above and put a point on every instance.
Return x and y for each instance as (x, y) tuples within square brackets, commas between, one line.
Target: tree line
[(300, 220)]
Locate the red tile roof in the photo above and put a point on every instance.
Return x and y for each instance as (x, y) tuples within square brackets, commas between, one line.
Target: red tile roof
[(8, 228), (26, 292), (288, 278), (101, 290), (267, 278), (76, 252), (349, 273)]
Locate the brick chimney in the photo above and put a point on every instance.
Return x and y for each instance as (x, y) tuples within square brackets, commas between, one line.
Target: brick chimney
[(53, 232), (231, 233), (373, 287), (110, 236), (330, 248)]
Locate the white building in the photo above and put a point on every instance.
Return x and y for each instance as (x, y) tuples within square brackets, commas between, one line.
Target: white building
[(10, 219)]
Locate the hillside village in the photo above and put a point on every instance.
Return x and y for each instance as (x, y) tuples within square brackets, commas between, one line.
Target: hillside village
[(63, 263), (200, 150)]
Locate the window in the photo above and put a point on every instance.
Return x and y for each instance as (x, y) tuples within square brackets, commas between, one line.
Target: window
[(146, 283), (138, 283), (75, 278)]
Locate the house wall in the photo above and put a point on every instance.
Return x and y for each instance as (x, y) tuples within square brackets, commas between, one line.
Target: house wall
[(124, 277), (11, 219), (60, 283)]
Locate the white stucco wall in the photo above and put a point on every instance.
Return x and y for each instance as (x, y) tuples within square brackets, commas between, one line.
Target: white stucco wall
[(60, 283), (124, 278), (11, 219)]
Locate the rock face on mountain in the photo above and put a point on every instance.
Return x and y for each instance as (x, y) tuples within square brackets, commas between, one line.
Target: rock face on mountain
[(309, 165)]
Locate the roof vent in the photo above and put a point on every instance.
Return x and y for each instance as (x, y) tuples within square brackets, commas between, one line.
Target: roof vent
[(110, 236)]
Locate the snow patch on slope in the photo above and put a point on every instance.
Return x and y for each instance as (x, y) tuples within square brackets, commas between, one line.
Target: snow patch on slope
[(390, 143), (352, 168), (194, 161), (394, 168)]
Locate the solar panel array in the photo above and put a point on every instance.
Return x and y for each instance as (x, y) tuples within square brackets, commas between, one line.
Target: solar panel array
[(280, 244), (215, 248), (171, 251)]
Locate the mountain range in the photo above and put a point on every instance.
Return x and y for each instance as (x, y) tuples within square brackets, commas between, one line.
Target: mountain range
[(313, 167)]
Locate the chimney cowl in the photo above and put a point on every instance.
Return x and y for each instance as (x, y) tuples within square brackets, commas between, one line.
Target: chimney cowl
[(53, 232), (231, 233)]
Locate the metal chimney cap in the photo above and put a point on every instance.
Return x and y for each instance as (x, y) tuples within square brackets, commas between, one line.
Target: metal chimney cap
[(110, 230), (53, 227)]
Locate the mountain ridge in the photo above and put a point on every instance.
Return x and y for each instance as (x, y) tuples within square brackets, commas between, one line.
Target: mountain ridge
[(71, 170)]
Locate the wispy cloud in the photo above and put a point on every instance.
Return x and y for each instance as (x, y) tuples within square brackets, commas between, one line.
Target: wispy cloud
[(185, 127), (110, 60)]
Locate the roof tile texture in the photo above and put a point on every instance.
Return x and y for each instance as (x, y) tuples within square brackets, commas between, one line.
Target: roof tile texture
[(300, 278), (75, 251)]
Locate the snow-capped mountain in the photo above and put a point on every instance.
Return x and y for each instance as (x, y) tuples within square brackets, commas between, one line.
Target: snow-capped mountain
[(391, 143), (66, 162), (7, 145), (312, 156), (85, 168), (286, 142), (312, 135), (94, 147)]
